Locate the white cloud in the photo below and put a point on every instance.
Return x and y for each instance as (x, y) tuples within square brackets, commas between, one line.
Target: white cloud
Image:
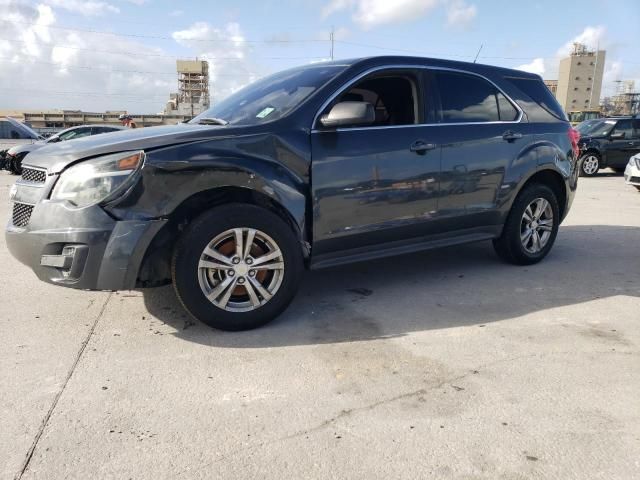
[(41, 62), (536, 66), (460, 14), (229, 54), (370, 13), (85, 7), (592, 37)]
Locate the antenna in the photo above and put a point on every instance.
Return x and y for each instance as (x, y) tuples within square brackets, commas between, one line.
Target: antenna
[(478, 54), (331, 38)]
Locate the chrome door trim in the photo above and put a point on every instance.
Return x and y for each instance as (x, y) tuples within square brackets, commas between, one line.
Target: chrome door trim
[(414, 67)]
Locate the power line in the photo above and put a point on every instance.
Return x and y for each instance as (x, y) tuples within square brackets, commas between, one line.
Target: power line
[(86, 67), (88, 94), (165, 37), (157, 55)]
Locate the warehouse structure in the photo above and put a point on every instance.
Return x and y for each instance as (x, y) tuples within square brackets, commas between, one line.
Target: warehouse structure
[(191, 99)]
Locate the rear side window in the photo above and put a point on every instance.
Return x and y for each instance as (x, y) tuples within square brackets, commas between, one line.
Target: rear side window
[(539, 93), (470, 99)]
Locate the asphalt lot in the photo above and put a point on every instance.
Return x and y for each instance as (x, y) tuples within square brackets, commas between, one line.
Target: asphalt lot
[(445, 364)]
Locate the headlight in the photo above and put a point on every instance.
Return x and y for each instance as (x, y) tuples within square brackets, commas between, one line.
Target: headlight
[(637, 160), (98, 180)]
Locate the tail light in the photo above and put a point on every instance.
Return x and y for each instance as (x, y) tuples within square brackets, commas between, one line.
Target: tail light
[(574, 137)]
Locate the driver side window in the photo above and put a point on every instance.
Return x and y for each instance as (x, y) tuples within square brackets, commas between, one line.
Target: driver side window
[(623, 126), (394, 98)]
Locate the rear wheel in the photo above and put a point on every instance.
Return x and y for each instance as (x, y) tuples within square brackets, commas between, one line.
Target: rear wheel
[(589, 164), (531, 227), (237, 267)]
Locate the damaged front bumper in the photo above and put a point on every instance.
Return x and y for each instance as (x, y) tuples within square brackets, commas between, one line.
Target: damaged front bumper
[(80, 248)]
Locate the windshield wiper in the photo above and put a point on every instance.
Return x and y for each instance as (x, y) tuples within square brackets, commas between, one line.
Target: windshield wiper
[(212, 121)]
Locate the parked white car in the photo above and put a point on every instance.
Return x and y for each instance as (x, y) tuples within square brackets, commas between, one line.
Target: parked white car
[(632, 172)]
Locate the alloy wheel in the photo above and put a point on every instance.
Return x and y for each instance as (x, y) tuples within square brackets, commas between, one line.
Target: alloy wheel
[(536, 225), (241, 269), (590, 164)]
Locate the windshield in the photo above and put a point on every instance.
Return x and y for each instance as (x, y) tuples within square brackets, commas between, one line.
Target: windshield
[(272, 97), (26, 130), (596, 128)]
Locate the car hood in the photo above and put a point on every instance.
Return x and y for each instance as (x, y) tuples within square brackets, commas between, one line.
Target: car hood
[(27, 147), (57, 156)]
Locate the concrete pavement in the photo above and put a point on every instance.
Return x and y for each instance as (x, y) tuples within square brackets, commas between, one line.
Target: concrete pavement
[(444, 364)]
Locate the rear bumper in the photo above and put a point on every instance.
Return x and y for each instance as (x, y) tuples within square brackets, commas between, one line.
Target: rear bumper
[(83, 248)]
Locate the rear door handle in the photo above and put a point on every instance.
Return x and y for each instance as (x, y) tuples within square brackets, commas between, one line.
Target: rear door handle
[(421, 147), (510, 136)]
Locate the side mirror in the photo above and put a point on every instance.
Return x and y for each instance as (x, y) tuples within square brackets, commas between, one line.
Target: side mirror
[(53, 139), (617, 136), (349, 113)]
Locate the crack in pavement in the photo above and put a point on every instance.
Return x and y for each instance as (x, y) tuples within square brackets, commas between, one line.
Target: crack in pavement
[(45, 421), (422, 391)]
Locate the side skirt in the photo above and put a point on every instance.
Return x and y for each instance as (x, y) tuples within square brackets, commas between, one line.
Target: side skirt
[(400, 247)]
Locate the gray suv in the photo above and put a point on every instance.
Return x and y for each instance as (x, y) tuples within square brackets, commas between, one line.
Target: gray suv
[(312, 167)]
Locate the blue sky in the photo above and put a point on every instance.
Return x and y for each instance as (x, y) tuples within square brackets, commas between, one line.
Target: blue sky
[(120, 54)]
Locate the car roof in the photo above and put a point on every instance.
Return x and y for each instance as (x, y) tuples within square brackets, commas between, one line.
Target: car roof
[(381, 60)]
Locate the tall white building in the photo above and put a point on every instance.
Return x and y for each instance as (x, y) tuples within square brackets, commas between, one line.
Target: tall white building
[(580, 79)]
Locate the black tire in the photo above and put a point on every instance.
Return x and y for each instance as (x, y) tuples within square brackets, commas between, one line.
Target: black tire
[(584, 162), (637, 187), (509, 245), (201, 232), (15, 165)]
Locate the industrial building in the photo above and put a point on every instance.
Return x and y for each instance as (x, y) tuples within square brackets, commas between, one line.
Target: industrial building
[(580, 79), (626, 100), (193, 89), (552, 85), (192, 99)]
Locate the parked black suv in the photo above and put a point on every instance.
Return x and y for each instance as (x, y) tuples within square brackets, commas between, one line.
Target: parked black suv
[(315, 166), (608, 142)]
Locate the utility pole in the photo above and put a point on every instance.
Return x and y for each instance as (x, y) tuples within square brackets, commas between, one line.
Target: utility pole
[(332, 38), (593, 77)]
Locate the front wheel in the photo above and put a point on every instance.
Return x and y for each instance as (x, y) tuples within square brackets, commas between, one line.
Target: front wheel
[(531, 226), (237, 267), (589, 164)]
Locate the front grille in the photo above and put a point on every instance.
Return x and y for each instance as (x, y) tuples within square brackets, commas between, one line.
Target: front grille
[(34, 175), (21, 214)]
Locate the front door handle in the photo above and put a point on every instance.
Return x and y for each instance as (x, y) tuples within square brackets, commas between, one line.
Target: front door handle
[(510, 136), (421, 147)]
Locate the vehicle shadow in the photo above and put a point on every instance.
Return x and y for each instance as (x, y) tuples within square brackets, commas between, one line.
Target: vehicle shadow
[(457, 286)]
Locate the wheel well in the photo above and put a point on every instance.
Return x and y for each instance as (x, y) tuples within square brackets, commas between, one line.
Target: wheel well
[(553, 180), (155, 267), (591, 151)]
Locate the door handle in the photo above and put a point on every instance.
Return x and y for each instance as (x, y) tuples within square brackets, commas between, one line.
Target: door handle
[(420, 147), (510, 136)]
